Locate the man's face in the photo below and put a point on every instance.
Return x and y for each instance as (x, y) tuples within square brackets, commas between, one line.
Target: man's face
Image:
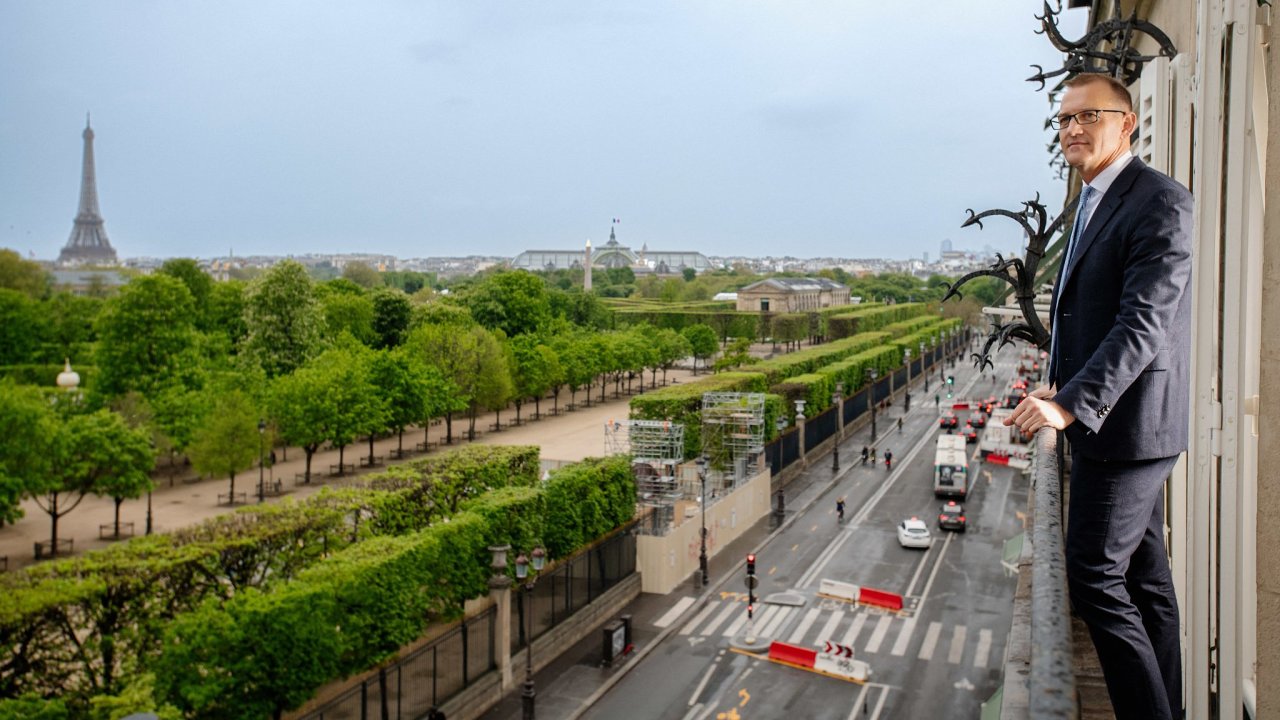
[(1090, 148)]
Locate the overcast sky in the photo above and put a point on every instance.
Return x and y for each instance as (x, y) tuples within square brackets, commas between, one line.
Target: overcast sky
[(852, 128)]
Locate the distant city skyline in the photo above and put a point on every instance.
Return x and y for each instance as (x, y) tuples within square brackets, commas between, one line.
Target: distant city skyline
[(453, 129)]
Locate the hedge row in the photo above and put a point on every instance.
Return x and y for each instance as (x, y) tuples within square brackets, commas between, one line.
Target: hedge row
[(263, 653), (72, 627), (868, 319), (780, 368), (816, 388), (928, 335)]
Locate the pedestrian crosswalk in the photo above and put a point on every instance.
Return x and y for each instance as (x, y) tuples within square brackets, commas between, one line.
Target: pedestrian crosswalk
[(867, 630)]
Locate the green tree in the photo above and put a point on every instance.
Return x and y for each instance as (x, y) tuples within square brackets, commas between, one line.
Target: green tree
[(26, 276), (283, 319), (689, 274), (362, 275), (702, 342), (300, 408), (736, 355), (71, 322), (147, 337), (535, 368), (580, 363), (391, 313), (23, 327), (412, 389), (227, 443), (472, 359), (198, 283), (225, 312), (93, 453), (26, 426), (514, 302), (672, 347), (349, 313)]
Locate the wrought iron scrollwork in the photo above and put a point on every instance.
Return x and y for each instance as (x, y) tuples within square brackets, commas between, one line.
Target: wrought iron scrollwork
[(1107, 48), (1019, 273)]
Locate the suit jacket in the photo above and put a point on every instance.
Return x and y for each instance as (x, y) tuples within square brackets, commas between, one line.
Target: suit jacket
[(1122, 320)]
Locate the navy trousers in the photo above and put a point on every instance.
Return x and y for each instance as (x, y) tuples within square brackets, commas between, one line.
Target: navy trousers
[(1120, 584)]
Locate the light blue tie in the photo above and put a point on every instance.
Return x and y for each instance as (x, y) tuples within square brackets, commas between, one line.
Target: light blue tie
[(1082, 219)]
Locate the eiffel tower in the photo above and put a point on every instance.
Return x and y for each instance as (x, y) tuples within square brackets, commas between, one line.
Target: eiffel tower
[(88, 244)]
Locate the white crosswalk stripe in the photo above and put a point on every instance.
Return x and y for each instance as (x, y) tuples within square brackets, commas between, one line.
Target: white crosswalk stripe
[(957, 645), (827, 633), (877, 635), (724, 615), (984, 648), (736, 625), (851, 635), (675, 612), (930, 641), (904, 637), (814, 625), (809, 618), (697, 619), (772, 626)]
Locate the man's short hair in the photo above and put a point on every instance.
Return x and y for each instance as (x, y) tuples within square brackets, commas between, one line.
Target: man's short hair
[(1118, 89)]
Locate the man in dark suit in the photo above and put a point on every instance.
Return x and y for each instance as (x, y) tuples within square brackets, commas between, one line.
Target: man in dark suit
[(1119, 386)]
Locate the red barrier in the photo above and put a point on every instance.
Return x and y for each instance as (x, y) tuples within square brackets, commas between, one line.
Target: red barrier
[(960, 406), (880, 598), (792, 654), (998, 459)]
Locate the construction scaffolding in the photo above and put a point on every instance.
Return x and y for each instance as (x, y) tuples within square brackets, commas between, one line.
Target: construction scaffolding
[(733, 434), (656, 448)]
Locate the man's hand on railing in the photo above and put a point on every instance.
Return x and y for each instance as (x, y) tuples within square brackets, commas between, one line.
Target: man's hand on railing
[(1038, 410)]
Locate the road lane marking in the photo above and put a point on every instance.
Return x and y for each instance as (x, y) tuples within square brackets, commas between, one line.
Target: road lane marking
[(877, 635), (711, 627), (924, 560), (904, 637), (809, 618), (676, 611), (858, 702), (930, 641), (824, 635), (957, 645), (984, 647), (934, 573), (697, 619), (884, 695), (705, 678), (851, 635), (776, 623)]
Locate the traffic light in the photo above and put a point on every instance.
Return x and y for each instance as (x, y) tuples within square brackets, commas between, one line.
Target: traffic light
[(751, 563), (951, 379)]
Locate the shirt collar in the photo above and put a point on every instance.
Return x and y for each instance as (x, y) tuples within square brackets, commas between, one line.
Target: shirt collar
[(1108, 175)]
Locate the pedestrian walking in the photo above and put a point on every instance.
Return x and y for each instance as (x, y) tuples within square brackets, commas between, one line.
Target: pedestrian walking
[(888, 459), (899, 424)]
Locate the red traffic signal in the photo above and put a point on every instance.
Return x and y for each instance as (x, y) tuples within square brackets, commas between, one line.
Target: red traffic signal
[(751, 563)]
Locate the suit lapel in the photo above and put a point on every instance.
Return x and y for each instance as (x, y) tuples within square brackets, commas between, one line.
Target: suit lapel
[(1111, 201)]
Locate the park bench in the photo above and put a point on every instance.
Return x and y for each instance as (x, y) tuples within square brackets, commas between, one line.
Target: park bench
[(107, 531), (45, 548), (230, 498), (341, 469), (374, 461)]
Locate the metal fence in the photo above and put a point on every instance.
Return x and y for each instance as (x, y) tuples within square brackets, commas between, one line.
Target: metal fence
[(434, 673)]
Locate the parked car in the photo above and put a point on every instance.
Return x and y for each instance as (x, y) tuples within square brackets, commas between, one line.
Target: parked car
[(913, 533), (951, 516)]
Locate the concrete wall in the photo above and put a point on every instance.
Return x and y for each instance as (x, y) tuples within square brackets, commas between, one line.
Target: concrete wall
[(664, 562)]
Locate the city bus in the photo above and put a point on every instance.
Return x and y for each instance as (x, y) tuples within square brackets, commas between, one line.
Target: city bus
[(951, 467)]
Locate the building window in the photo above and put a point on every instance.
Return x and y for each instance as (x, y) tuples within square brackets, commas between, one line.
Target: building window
[(764, 304)]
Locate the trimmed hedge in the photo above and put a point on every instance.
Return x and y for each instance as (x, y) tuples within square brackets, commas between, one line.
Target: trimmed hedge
[(867, 319), (810, 359)]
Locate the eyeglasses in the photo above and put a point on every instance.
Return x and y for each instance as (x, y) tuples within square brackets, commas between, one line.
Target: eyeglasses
[(1084, 117)]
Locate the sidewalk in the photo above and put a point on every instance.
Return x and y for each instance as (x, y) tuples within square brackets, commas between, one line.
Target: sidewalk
[(568, 686), (185, 501)]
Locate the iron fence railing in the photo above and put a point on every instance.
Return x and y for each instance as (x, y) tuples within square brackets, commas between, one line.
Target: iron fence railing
[(435, 672)]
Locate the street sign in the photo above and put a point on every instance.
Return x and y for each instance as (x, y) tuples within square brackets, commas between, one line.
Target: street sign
[(752, 582)]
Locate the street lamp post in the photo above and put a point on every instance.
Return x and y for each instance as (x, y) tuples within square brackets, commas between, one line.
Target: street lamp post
[(262, 432), (942, 339), (906, 359), (837, 398), (528, 694), (924, 372), (702, 558), (780, 508), (871, 393)]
